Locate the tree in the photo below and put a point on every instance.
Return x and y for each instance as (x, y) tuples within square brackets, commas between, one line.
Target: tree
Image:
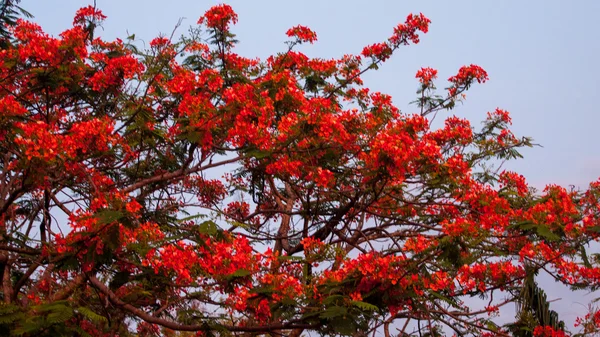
[(187, 190)]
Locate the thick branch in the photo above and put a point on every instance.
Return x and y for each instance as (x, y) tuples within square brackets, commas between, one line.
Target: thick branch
[(176, 174)]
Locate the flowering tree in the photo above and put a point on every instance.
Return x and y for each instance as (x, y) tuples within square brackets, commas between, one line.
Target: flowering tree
[(186, 190)]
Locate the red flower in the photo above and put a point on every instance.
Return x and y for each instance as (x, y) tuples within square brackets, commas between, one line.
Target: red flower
[(159, 42), (133, 206), (219, 17), (426, 75), (378, 50), (86, 14), (302, 33), (405, 32), (501, 115), (547, 331), (467, 74)]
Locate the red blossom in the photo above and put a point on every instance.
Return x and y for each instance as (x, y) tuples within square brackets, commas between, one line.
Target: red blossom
[(302, 33), (512, 179), (159, 42), (500, 114), (407, 31), (426, 75), (219, 17), (467, 74), (379, 51), (86, 14), (547, 331)]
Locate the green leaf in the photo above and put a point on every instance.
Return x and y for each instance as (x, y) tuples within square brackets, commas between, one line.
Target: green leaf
[(12, 317), (595, 229), (333, 312), (365, 306), (491, 326), (7, 308), (53, 306), (91, 315), (192, 137), (263, 290), (208, 227), (443, 298), (344, 326), (241, 273), (60, 316), (332, 299), (546, 233), (290, 258), (523, 225), (258, 154), (108, 216), (584, 258), (310, 314), (192, 217)]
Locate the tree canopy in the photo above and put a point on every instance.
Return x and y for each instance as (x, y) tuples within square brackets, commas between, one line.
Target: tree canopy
[(186, 190)]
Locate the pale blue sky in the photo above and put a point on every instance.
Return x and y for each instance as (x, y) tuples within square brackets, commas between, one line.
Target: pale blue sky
[(541, 56)]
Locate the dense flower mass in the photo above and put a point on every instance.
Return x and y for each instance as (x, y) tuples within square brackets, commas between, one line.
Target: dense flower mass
[(188, 189)]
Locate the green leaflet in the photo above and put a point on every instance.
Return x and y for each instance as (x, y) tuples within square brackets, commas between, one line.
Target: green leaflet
[(108, 216), (546, 233), (91, 315), (333, 312), (365, 306)]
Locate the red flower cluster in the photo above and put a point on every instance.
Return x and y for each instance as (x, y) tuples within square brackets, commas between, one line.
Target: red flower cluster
[(403, 34), (426, 75), (465, 77), (87, 14), (512, 179), (548, 331), (116, 71), (408, 31), (159, 42), (467, 74), (381, 51), (302, 33), (219, 17)]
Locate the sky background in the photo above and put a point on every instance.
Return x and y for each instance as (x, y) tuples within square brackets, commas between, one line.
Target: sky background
[(541, 57)]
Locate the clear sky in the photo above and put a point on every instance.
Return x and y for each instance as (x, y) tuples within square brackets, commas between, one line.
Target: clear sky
[(541, 57)]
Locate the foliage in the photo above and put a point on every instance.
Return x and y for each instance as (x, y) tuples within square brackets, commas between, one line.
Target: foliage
[(187, 190), (533, 309), (9, 12)]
